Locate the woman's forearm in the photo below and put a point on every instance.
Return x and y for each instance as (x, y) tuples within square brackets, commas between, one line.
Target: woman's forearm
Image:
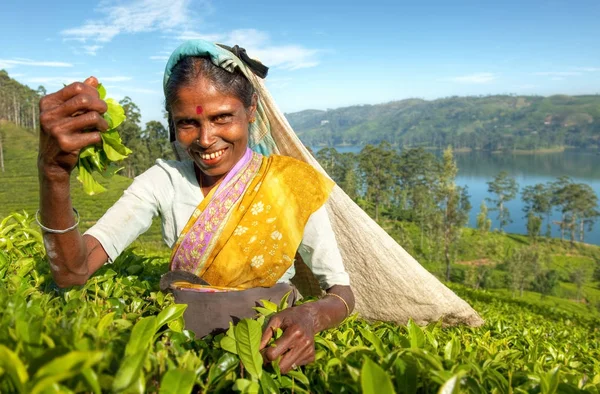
[(66, 252), (330, 311)]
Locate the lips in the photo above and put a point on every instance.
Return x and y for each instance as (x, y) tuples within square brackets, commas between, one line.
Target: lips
[(206, 158), (212, 155)]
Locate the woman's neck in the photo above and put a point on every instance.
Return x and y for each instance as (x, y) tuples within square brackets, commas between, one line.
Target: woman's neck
[(207, 182)]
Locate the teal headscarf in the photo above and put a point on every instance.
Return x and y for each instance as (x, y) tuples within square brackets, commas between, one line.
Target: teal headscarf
[(260, 139)]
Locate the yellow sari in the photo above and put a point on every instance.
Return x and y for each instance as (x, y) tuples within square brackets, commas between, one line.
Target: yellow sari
[(246, 233)]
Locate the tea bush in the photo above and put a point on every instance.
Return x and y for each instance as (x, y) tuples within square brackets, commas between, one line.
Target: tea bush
[(119, 333)]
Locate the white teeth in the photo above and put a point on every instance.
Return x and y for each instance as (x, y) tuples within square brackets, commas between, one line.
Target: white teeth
[(213, 155)]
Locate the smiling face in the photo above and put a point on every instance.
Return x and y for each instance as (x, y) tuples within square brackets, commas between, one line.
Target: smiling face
[(212, 126)]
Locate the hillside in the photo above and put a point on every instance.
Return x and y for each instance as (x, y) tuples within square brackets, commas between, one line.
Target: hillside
[(19, 182), (486, 123)]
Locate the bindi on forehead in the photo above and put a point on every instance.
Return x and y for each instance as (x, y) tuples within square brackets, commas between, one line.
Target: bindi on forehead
[(199, 110)]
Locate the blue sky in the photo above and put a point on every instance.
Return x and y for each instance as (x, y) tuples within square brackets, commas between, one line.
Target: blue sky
[(323, 54)]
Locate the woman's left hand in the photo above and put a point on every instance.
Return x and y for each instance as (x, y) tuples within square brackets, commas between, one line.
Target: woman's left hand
[(296, 346)]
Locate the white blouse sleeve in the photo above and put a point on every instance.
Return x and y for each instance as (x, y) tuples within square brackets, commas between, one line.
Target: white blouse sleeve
[(320, 252), (132, 214)]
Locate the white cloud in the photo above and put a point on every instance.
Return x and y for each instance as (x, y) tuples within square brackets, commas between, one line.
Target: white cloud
[(159, 58), (8, 63), (477, 78), (137, 16), (91, 49), (258, 45), (558, 73)]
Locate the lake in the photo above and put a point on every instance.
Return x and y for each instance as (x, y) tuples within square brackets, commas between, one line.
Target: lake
[(478, 168)]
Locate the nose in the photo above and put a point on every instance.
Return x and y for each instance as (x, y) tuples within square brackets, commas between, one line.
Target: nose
[(206, 137)]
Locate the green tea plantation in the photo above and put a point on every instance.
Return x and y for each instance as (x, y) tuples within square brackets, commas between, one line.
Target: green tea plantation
[(119, 333)]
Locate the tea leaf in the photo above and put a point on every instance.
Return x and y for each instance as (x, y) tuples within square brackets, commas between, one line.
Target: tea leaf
[(224, 364), (11, 363), (141, 335), (415, 333), (452, 385), (374, 340), (170, 313), (177, 381), (247, 335), (129, 371), (374, 380)]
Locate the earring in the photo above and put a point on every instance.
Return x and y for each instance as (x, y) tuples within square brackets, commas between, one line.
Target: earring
[(252, 120)]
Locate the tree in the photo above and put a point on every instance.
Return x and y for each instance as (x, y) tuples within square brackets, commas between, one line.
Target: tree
[(505, 188), (483, 222), (131, 134), (377, 166), (523, 265), (341, 167), (329, 159), (534, 226), (545, 282), (156, 138), (538, 199), (454, 207), (2, 150), (578, 205), (41, 91), (560, 199), (18, 103), (418, 175), (584, 208), (578, 277)]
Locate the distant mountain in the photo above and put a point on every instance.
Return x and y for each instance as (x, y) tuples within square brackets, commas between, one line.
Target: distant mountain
[(487, 123)]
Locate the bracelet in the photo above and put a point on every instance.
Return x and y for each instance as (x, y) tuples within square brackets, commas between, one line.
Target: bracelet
[(343, 300), (53, 231)]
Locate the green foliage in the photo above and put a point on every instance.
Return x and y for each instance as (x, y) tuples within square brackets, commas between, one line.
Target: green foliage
[(19, 103), (101, 159), (578, 204), (483, 222), (119, 333), (505, 188), (538, 201), (376, 164), (534, 225)]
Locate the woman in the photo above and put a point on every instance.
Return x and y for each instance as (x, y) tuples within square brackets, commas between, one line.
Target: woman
[(233, 217)]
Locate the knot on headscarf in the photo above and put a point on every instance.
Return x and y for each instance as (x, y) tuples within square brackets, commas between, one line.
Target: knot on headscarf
[(257, 67)]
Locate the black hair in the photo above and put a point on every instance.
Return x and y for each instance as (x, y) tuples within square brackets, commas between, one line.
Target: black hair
[(191, 68)]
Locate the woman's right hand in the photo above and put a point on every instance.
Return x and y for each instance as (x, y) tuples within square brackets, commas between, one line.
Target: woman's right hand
[(70, 120)]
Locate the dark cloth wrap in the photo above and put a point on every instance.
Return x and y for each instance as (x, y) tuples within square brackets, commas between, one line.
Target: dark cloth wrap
[(210, 313)]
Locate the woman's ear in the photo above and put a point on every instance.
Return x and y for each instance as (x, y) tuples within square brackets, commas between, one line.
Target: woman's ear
[(252, 108)]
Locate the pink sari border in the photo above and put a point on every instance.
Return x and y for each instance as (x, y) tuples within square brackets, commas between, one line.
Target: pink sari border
[(194, 249)]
